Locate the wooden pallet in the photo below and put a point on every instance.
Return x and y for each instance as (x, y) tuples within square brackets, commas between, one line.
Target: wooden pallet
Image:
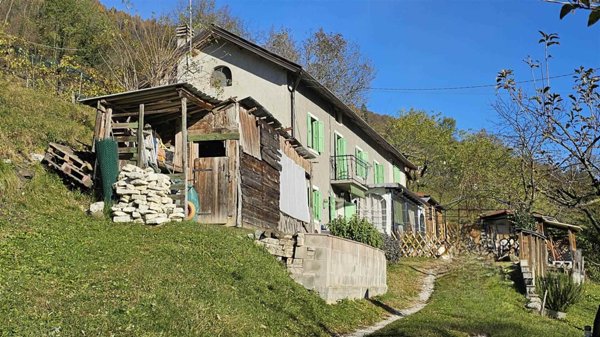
[(64, 160)]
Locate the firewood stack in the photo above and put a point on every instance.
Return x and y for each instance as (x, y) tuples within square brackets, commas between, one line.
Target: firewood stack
[(144, 197)]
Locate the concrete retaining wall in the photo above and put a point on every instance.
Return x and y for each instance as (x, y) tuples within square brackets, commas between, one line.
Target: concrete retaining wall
[(338, 268)]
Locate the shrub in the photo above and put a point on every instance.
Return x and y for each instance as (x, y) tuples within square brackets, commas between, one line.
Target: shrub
[(391, 247), (562, 291), (357, 229)]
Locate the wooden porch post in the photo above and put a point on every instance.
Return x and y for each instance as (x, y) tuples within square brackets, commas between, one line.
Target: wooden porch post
[(108, 123), (140, 137), (184, 139)]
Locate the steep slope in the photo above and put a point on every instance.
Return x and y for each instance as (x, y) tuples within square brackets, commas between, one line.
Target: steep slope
[(65, 273)]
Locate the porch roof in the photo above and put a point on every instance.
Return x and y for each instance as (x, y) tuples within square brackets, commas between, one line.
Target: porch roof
[(159, 100), (396, 186)]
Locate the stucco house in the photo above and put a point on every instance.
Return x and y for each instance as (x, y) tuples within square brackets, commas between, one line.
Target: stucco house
[(354, 169)]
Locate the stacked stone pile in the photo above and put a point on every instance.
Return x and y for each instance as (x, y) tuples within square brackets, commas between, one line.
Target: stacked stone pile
[(289, 249), (144, 197)]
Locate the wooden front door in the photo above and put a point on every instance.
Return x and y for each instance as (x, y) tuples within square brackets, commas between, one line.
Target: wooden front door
[(213, 182)]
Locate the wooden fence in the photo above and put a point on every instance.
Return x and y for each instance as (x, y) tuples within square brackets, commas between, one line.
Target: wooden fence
[(429, 245)]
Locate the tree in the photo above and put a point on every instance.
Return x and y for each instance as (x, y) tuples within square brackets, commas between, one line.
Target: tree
[(129, 66), (571, 5), (338, 65), (567, 147), (281, 43), (206, 12), (428, 140)]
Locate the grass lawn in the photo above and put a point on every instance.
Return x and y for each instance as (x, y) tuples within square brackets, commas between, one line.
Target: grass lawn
[(65, 273), (474, 298)]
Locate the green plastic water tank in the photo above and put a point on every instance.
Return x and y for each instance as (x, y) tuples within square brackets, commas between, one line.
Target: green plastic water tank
[(108, 163)]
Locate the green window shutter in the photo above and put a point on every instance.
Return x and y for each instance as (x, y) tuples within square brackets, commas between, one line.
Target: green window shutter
[(378, 168), (341, 165), (349, 210), (321, 137), (315, 135), (319, 205), (397, 174), (309, 130), (332, 210)]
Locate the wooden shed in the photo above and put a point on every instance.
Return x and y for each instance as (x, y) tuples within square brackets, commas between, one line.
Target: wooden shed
[(503, 236), (236, 154)]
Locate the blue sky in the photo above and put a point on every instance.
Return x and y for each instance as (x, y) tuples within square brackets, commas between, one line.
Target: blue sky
[(430, 44)]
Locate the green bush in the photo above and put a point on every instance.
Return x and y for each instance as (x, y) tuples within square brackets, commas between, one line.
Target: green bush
[(562, 291), (357, 229)]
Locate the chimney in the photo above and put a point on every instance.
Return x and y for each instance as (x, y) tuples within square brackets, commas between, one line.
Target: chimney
[(183, 34)]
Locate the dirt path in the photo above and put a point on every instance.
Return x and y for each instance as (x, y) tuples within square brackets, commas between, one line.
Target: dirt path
[(426, 291)]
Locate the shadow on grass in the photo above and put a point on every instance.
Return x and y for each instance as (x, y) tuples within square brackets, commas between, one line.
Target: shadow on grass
[(384, 306)]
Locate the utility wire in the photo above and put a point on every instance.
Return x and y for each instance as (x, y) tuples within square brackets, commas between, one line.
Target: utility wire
[(462, 87)]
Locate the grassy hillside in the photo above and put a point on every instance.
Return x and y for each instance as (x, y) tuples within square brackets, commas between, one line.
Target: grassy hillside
[(66, 273), (474, 299)]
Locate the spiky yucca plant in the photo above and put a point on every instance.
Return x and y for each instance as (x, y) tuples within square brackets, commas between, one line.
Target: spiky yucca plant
[(562, 291)]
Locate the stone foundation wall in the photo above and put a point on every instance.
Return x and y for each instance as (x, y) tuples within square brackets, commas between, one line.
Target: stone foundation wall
[(334, 267)]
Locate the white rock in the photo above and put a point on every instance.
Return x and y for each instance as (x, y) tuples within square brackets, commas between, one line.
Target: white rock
[(120, 213), (128, 168), (149, 170), (154, 216), (122, 191), (138, 197), (136, 215), (129, 209), (178, 210), (135, 175), (156, 221), (152, 177), (138, 182), (97, 207), (36, 157), (166, 200), (122, 219), (155, 199), (138, 203)]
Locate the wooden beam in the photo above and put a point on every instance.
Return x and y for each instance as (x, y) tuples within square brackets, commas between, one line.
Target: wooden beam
[(195, 99), (108, 121), (140, 137), (214, 136), (184, 137)]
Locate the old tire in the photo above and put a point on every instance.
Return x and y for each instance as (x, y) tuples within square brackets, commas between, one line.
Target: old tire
[(190, 211)]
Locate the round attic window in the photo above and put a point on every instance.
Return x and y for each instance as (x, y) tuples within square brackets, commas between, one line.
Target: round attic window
[(221, 77)]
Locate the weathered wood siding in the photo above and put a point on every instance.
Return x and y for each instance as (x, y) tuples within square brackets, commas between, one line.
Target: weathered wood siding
[(250, 134), (260, 193), (260, 182)]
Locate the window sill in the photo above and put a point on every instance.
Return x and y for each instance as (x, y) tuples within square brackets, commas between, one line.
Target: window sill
[(313, 151)]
